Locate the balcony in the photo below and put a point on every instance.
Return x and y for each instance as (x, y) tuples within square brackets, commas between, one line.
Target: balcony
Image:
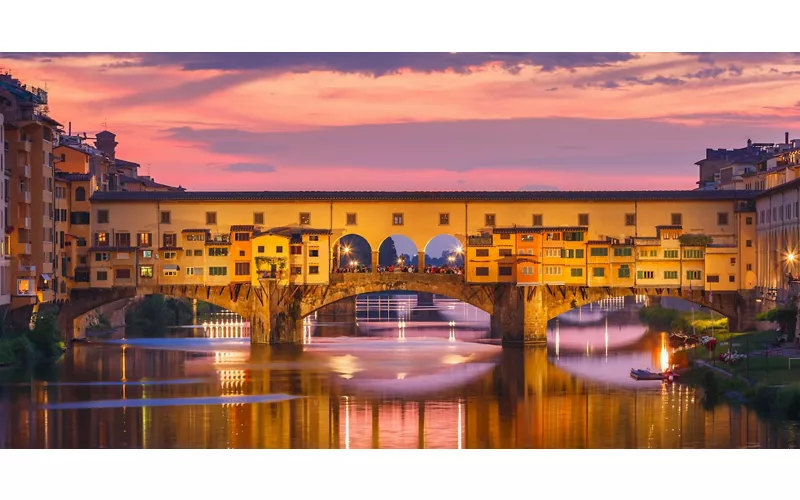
[(25, 197), (24, 145), (25, 248), (27, 271), (479, 241), (25, 222), (25, 171)]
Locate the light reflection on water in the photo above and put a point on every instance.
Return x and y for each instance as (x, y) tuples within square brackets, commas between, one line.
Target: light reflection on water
[(378, 384)]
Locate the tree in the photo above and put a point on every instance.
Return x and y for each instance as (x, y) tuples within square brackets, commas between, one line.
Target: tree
[(387, 255)]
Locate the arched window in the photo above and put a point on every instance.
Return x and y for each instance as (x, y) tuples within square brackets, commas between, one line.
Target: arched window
[(80, 194), (63, 287)]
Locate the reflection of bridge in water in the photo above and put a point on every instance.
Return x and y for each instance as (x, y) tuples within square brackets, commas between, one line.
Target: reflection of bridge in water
[(521, 402)]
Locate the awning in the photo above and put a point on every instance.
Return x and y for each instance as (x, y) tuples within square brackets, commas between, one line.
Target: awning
[(170, 267), (46, 277)]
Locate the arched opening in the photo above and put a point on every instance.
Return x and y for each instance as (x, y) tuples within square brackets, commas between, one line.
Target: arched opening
[(398, 253), (80, 194), (444, 253), (351, 254)]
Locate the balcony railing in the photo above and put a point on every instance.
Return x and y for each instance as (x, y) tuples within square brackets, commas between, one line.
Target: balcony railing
[(26, 222), (26, 171), (25, 145), (25, 248), (479, 241)]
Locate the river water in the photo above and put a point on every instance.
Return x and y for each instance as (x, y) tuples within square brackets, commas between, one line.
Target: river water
[(401, 375)]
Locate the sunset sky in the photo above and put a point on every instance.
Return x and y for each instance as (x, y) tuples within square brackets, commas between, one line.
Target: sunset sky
[(429, 121)]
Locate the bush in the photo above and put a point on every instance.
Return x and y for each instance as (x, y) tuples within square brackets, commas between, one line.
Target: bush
[(16, 349), (786, 317), (45, 337)]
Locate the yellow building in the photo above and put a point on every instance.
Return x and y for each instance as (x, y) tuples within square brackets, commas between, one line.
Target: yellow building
[(29, 133), (5, 241), (622, 239)]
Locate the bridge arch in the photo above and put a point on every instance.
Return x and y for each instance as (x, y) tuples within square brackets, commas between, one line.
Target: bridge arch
[(561, 299), (445, 246), (351, 250), (453, 286)]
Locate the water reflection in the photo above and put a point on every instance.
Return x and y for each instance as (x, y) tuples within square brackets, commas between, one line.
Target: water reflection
[(430, 390)]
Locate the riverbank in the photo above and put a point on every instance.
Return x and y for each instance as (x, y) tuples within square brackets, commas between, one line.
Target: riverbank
[(766, 376)]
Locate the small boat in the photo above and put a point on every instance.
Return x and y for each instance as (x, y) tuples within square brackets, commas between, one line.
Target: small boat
[(668, 375)]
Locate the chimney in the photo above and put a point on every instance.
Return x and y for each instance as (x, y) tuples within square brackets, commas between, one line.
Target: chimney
[(787, 138)]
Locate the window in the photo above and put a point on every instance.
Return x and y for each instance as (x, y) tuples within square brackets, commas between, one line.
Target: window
[(145, 271), (731, 278), (567, 253), (261, 249), (101, 239), (579, 253), (218, 271), (144, 239), (796, 210), (733, 261), (553, 237), (644, 275), (444, 219), (241, 236), (693, 254), (194, 271), (122, 274), (122, 239), (488, 220), (170, 255), (583, 219), (722, 219), (211, 218), (279, 249), (762, 216), (676, 219), (170, 272), (188, 253), (313, 269), (505, 236), (258, 218), (482, 252), (527, 270), (576, 272), (397, 219), (82, 276), (313, 237), (102, 275), (598, 252), (296, 270), (670, 275), (295, 250), (80, 194), (351, 219), (748, 243), (242, 253), (573, 236), (305, 218), (623, 252), (198, 253), (694, 275), (147, 254), (505, 252), (102, 216), (165, 217), (170, 240), (749, 267), (712, 278), (598, 272), (242, 269), (552, 252), (630, 219), (505, 271), (537, 220), (670, 254), (217, 251), (552, 270), (481, 271)]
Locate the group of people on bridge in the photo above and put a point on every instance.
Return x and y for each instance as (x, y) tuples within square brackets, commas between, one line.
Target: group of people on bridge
[(400, 269)]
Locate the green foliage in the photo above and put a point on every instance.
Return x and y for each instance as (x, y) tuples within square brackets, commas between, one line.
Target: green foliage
[(154, 315), (16, 349), (263, 263), (45, 336), (777, 401), (786, 317), (679, 321), (695, 240)]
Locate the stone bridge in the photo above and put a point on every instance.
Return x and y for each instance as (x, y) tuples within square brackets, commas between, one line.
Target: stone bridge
[(518, 314)]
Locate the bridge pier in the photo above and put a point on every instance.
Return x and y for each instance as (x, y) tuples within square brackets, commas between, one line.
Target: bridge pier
[(520, 315)]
